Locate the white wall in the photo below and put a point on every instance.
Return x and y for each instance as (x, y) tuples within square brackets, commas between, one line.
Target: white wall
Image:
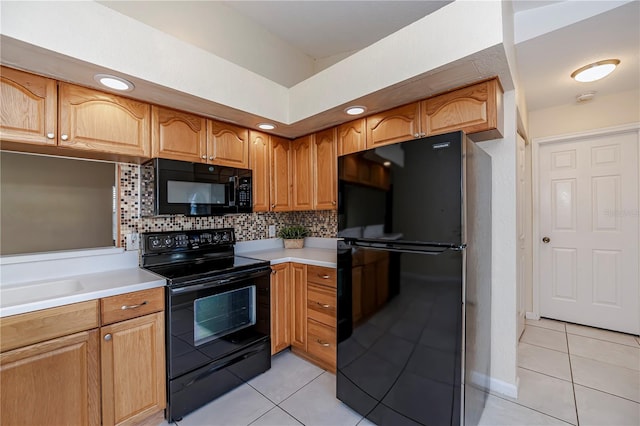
[(504, 242), (603, 111)]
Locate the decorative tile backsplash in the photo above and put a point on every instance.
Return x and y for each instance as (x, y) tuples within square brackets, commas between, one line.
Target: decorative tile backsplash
[(250, 226)]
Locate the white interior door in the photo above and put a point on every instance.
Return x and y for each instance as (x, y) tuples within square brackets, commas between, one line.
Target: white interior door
[(588, 231)]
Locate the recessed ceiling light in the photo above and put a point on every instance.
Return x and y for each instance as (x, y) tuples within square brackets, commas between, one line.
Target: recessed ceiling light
[(355, 110), (595, 71), (113, 82), (267, 126)]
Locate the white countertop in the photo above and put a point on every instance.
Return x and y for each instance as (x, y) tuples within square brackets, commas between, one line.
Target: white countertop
[(317, 251), (40, 281)]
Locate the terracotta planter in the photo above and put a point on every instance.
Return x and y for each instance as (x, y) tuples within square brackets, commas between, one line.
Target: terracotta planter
[(297, 243)]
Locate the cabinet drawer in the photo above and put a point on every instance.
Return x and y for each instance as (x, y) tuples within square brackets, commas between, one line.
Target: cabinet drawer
[(25, 329), (321, 304), (321, 342), (131, 305), (321, 275)]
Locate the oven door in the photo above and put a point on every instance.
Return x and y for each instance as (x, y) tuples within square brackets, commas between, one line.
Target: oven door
[(211, 320)]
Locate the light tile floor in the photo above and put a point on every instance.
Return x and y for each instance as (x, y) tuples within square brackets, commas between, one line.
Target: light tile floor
[(568, 374), (571, 374)]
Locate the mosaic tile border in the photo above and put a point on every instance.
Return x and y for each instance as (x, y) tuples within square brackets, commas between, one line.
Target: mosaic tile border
[(251, 226)]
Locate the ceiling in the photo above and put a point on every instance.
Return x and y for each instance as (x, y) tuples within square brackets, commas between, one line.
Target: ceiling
[(288, 42), (328, 31)]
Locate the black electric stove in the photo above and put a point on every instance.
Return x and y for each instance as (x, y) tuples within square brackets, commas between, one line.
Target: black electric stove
[(217, 314)]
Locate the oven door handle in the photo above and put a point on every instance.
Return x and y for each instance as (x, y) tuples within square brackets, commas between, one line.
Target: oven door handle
[(216, 283)]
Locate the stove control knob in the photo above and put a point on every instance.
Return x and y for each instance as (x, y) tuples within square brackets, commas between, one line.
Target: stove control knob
[(154, 242), (216, 238), (225, 237), (168, 241)]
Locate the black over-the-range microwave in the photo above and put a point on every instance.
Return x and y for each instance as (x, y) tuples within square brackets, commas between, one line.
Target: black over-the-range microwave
[(170, 187)]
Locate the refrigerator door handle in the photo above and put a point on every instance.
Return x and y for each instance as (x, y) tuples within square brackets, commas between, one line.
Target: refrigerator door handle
[(429, 249)]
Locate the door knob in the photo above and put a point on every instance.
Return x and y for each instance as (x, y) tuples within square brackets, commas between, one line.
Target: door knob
[(546, 240)]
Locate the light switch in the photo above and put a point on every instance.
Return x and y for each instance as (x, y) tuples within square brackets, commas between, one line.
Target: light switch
[(272, 231)]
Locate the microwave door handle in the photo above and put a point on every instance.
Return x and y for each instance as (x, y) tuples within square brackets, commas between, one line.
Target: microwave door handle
[(234, 190)]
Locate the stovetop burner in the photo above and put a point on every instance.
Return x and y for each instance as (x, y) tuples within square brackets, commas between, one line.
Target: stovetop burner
[(185, 256)]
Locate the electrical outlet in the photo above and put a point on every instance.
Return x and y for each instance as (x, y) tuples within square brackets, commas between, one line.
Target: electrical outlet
[(272, 231), (132, 241)]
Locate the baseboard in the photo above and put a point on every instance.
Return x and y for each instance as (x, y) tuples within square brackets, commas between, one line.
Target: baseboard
[(495, 386), (531, 316)]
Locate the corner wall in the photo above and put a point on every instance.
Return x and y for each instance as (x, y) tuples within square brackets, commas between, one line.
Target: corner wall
[(504, 340)]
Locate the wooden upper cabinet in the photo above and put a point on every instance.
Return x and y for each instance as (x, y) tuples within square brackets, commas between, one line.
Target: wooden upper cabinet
[(280, 190), (302, 165), (178, 135), (475, 109), (395, 125), (228, 144), (259, 158), (352, 136), (325, 164), (92, 120), (28, 108)]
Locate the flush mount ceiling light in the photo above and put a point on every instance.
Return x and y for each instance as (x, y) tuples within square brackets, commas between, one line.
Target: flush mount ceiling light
[(355, 110), (113, 82), (595, 71), (267, 126)]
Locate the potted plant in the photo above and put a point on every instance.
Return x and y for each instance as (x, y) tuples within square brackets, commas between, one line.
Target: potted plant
[(293, 235)]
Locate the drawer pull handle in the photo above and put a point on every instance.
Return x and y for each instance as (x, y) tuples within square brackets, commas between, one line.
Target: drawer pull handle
[(324, 305), (324, 277), (323, 343), (125, 307)]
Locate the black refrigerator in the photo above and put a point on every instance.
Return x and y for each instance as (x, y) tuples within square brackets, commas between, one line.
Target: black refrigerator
[(414, 281)]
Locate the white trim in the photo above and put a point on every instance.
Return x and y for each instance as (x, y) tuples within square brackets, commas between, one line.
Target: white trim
[(531, 316), (57, 255), (495, 386), (625, 128), (535, 176)]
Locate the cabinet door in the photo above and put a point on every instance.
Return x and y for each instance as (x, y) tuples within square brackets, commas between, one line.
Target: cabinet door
[(299, 306), (56, 382), (97, 121), (325, 164), (302, 173), (280, 194), (177, 135), (280, 308), (133, 369), (228, 145), (473, 109), (29, 107), (352, 137), (395, 125), (259, 150)]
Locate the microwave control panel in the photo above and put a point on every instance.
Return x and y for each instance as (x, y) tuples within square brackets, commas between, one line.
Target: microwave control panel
[(244, 192)]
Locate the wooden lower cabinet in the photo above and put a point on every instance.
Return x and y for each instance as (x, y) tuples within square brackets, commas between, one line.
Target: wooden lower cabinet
[(55, 382), (315, 315), (133, 369), (59, 367), (280, 307), (299, 306)]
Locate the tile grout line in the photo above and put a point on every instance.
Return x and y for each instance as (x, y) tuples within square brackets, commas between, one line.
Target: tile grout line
[(573, 385), (529, 408)]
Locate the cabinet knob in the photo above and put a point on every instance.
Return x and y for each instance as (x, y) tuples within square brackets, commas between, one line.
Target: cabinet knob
[(204, 157), (64, 137), (50, 135), (274, 272), (323, 343), (273, 206), (323, 305), (107, 337), (416, 135), (333, 202), (211, 157)]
